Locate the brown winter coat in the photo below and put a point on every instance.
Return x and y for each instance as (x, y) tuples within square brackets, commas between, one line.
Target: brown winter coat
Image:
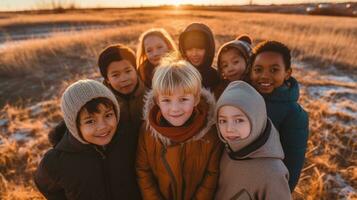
[(187, 170), (131, 106)]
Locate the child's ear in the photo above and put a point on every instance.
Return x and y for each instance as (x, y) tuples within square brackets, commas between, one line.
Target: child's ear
[(197, 100), (288, 74), (106, 81)]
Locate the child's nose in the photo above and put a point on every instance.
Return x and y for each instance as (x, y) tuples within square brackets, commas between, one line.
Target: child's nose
[(265, 73), (230, 127), (102, 124), (174, 106)]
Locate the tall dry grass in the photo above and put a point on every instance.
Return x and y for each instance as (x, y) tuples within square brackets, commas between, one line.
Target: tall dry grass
[(330, 40), (331, 155)]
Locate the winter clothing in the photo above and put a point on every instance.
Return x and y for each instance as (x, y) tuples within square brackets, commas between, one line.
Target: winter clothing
[(73, 170), (76, 96), (245, 50), (146, 72), (185, 169), (210, 77), (131, 105), (117, 52), (251, 168), (292, 122)]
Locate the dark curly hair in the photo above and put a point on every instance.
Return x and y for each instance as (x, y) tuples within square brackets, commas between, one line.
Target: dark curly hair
[(273, 46)]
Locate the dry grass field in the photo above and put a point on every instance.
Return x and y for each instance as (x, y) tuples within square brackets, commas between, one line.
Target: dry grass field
[(33, 74)]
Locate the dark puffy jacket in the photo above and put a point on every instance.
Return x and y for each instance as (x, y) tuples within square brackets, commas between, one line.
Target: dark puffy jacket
[(210, 77), (292, 122), (73, 170)]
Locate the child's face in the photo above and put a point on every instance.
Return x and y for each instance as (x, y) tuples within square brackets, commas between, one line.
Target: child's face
[(98, 128), (195, 56), (232, 65), (122, 76), (176, 108), (268, 72), (233, 123), (155, 48)]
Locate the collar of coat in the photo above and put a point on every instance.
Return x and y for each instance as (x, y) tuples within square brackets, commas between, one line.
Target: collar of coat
[(206, 98)]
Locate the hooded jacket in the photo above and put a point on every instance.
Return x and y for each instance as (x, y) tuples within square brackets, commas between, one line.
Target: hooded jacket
[(210, 77), (252, 168), (73, 170), (131, 105), (245, 50), (292, 122), (178, 171)]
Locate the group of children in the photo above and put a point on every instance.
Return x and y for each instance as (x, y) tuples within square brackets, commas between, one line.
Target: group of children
[(165, 124)]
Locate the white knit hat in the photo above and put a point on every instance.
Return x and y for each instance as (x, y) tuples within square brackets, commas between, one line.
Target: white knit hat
[(76, 96)]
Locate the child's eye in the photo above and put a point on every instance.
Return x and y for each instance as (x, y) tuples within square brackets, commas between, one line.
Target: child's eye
[(165, 100), (128, 71), (108, 115), (238, 121), (236, 62), (221, 121), (224, 66), (257, 70), (89, 121), (184, 99), (274, 70)]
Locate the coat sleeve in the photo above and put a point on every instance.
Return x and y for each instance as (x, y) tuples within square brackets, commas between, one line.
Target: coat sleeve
[(45, 180), (276, 186), (208, 186), (146, 180), (295, 131)]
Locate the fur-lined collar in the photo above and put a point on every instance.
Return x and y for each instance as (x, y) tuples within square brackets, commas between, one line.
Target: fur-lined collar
[(206, 97)]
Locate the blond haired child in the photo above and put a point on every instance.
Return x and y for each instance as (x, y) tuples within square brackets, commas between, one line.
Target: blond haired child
[(153, 45), (178, 151), (89, 158), (233, 62), (251, 166)]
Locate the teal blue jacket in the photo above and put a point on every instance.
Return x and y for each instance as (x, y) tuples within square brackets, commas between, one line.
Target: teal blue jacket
[(292, 122)]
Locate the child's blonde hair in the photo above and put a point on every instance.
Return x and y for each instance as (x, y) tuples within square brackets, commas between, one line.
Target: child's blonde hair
[(159, 32), (173, 74)]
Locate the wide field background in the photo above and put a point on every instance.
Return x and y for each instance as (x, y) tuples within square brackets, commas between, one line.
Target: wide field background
[(34, 72)]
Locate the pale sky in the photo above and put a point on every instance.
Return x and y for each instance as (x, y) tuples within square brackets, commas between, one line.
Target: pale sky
[(33, 4)]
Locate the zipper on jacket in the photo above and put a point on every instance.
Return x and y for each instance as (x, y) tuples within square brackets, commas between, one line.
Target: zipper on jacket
[(171, 174), (100, 152), (105, 172)]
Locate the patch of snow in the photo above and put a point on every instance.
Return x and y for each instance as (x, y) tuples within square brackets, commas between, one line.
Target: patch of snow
[(4, 122), (19, 136)]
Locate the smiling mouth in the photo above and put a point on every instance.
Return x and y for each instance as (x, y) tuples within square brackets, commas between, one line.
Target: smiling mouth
[(232, 75), (233, 137), (176, 116), (265, 84), (103, 134), (126, 86)]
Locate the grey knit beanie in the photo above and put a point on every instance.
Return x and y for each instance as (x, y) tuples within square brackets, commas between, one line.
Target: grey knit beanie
[(76, 96), (243, 96)]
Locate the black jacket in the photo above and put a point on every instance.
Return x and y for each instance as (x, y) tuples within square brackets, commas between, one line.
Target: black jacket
[(210, 77), (72, 170)]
